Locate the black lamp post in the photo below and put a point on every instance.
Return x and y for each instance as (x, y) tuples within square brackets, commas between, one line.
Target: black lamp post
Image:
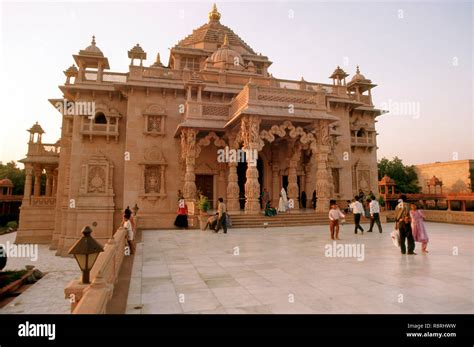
[(86, 250)]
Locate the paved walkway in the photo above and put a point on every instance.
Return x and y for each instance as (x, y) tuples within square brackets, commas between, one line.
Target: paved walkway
[(46, 295), (285, 270)]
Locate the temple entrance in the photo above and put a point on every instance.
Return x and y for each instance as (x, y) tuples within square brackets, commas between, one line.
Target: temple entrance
[(241, 173), (205, 184), (284, 182)]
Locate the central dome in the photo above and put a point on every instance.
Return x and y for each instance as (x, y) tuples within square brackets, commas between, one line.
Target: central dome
[(225, 57)]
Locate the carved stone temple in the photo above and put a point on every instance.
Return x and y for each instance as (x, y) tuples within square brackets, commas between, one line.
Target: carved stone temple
[(139, 137)]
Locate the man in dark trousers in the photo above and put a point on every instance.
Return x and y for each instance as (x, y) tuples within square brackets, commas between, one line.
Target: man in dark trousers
[(221, 211), (404, 226)]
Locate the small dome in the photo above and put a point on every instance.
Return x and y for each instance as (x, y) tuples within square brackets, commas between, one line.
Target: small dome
[(225, 57), (6, 183), (92, 49), (358, 76)]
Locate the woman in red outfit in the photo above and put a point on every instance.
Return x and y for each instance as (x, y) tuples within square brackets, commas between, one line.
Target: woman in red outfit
[(181, 220)]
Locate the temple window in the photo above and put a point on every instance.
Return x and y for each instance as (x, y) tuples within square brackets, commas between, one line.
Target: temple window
[(190, 62), (154, 119), (360, 133), (100, 118), (102, 124)]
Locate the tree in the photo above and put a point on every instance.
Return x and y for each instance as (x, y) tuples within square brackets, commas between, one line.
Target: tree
[(15, 174), (405, 176)]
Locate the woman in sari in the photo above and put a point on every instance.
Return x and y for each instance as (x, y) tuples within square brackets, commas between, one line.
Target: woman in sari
[(283, 203), (418, 227)]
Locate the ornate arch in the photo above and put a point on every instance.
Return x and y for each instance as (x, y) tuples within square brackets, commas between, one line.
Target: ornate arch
[(206, 141), (281, 130)]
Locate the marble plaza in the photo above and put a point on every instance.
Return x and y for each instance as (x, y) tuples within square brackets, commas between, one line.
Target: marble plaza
[(285, 270)]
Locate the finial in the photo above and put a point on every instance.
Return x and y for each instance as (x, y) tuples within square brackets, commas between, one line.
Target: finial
[(226, 41), (358, 71), (214, 15), (93, 40)]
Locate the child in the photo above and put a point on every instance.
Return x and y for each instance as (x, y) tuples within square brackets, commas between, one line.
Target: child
[(418, 227), (127, 224), (335, 215)]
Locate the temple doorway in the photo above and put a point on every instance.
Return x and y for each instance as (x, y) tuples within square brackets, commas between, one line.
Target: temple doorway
[(205, 184), (241, 174)]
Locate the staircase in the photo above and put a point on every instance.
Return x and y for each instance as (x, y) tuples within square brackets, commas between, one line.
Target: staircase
[(282, 220)]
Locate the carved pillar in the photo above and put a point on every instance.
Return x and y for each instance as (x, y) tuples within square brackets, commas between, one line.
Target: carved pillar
[(233, 188), (28, 184), (323, 178), (188, 152), (37, 187), (49, 181), (55, 181), (275, 184), (250, 126), (295, 153), (308, 181)]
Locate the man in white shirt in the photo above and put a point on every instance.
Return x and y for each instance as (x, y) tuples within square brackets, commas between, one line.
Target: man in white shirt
[(374, 214), (357, 210)]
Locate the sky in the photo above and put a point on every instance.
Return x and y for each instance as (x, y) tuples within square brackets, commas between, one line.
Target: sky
[(419, 54)]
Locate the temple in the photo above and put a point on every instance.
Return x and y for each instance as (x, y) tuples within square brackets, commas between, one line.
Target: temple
[(139, 137)]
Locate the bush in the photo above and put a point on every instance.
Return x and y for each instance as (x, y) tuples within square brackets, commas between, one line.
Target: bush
[(5, 218), (203, 203), (12, 224)]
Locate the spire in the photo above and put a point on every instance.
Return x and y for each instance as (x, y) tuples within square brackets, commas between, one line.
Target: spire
[(93, 40), (214, 15), (357, 70), (226, 41)]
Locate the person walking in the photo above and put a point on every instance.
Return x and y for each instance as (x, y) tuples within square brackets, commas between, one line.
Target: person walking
[(401, 210), (418, 227), (335, 215), (127, 225), (406, 234), (357, 210), (221, 212), (374, 209), (181, 220)]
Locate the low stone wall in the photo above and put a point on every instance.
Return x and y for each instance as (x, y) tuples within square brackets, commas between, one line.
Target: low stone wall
[(93, 298), (454, 217)]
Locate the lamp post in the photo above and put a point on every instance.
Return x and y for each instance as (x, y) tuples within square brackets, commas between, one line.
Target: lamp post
[(86, 250), (135, 209)]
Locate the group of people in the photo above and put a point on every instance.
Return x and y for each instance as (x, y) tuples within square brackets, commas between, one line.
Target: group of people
[(215, 222), (409, 220)]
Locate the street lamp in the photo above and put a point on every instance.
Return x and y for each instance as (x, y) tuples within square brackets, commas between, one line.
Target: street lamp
[(86, 250), (135, 209)]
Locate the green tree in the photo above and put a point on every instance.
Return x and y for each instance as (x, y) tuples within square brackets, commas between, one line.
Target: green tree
[(15, 174), (405, 176)]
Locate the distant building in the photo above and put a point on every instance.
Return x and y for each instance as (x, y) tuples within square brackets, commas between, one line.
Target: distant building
[(454, 176)]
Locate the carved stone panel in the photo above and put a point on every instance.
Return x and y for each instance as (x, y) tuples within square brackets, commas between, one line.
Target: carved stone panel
[(152, 179)]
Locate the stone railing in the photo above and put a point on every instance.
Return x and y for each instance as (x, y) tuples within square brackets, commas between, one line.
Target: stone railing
[(44, 149), (454, 217), (93, 298), (43, 201), (362, 140)]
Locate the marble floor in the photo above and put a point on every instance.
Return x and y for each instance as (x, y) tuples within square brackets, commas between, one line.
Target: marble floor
[(292, 270), (47, 295)]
